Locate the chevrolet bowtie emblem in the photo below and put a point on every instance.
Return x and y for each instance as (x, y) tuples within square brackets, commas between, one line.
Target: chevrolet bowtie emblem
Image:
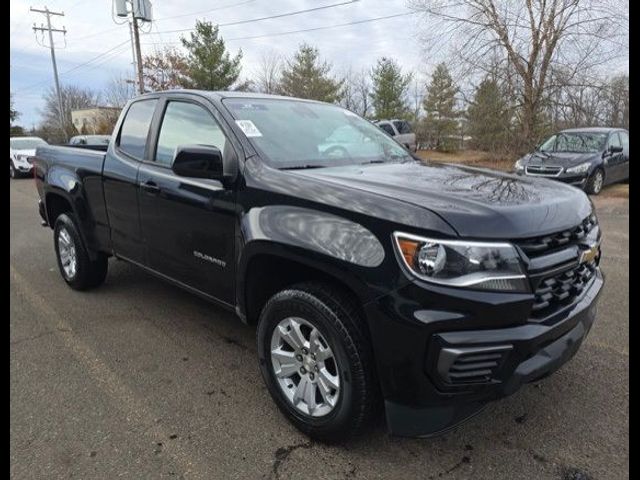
[(589, 255)]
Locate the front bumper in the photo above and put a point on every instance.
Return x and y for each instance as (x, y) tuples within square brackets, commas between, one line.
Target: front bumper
[(579, 180), (421, 330), (23, 166)]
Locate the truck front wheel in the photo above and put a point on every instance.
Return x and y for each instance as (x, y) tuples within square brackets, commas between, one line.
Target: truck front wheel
[(316, 361), (74, 262)]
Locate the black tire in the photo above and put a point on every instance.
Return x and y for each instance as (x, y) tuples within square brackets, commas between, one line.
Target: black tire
[(88, 273), (595, 182), (339, 322), (13, 171)]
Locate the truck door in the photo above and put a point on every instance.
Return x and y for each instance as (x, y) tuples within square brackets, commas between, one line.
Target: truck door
[(120, 179), (188, 223)]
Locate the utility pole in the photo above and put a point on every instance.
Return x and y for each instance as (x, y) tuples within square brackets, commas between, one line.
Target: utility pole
[(136, 38), (134, 10), (135, 61), (48, 14)]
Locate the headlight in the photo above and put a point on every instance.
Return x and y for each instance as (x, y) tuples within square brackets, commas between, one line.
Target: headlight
[(520, 165), (582, 168), (480, 265)]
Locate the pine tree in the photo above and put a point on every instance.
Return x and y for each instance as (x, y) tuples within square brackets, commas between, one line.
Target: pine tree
[(488, 117), (305, 75), (209, 65), (389, 89), (440, 107)]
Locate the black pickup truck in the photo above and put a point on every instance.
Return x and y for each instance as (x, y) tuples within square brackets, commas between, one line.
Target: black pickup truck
[(375, 280)]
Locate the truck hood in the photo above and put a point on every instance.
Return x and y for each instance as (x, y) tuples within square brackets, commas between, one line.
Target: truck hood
[(477, 203)]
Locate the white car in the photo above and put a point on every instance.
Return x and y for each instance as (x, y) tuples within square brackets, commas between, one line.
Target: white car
[(21, 148), (401, 132)]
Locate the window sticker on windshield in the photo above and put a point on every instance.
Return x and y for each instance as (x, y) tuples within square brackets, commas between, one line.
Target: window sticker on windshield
[(249, 129)]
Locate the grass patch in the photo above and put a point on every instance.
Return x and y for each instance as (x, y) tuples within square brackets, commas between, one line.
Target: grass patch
[(473, 158)]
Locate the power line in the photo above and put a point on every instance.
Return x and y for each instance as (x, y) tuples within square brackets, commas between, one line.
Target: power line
[(205, 11), (98, 33), (281, 15), (78, 66), (97, 57), (326, 27)]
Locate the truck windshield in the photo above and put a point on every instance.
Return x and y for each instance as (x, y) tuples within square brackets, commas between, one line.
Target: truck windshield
[(298, 134), (575, 142), (26, 143)]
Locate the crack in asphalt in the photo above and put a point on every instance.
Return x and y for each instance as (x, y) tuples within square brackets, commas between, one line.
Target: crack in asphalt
[(464, 460), (282, 455)]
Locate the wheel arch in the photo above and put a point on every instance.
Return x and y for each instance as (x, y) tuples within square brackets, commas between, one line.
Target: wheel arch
[(269, 268)]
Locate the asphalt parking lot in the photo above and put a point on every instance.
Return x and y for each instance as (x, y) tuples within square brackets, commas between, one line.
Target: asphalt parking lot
[(139, 380)]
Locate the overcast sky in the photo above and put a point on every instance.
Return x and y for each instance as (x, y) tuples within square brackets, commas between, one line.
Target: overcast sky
[(92, 32)]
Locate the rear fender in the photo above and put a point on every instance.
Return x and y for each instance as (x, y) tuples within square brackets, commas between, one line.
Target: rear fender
[(65, 184)]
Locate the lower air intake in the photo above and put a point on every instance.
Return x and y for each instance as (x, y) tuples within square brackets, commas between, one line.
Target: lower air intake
[(471, 364)]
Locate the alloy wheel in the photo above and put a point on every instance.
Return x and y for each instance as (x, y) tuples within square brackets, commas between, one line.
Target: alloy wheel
[(67, 252), (305, 367), (597, 182)]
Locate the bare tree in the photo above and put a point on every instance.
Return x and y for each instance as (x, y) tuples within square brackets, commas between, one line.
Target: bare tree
[(267, 78), (532, 38), (356, 92), (119, 91), (73, 98), (618, 101)]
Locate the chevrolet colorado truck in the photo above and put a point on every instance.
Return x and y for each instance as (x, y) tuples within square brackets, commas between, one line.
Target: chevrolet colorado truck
[(376, 281)]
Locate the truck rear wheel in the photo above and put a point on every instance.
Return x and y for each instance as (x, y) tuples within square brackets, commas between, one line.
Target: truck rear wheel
[(316, 361), (74, 262)]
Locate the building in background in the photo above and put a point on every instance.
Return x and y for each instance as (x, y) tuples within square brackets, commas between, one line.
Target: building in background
[(95, 120)]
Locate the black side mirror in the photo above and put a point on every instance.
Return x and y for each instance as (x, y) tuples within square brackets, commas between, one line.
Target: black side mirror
[(198, 161), (615, 149)]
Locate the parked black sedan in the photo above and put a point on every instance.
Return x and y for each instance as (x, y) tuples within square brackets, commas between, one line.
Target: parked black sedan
[(588, 158)]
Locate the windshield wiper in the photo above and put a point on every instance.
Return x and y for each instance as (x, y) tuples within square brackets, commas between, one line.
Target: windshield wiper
[(301, 167)]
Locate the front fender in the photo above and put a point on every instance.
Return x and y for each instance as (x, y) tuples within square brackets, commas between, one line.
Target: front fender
[(321, 232), (336, 247)]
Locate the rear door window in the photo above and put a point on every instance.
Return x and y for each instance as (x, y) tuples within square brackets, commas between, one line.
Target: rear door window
[(135, 128)]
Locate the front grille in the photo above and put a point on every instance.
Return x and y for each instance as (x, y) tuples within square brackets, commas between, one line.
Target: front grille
[(544, 244), (562, 289), (557, 277), (470, 364), (543, 170)]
